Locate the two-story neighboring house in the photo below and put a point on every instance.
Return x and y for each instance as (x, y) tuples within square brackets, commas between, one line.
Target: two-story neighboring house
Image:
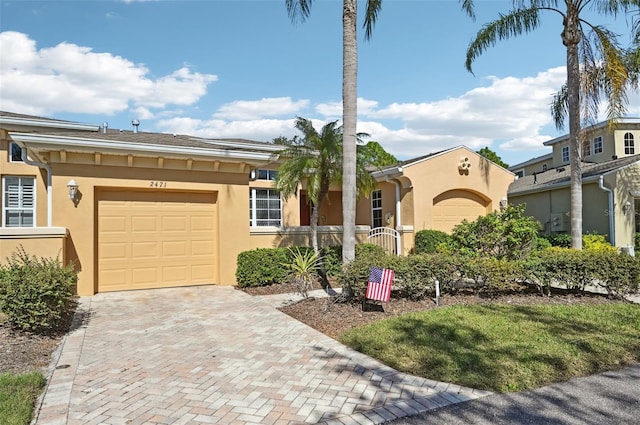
[(611, 183)]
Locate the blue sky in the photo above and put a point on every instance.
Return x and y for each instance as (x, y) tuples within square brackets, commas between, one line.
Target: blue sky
[(241, 69)]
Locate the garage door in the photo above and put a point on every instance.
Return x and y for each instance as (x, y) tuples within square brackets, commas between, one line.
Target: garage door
[(155, 239), (450, 208)]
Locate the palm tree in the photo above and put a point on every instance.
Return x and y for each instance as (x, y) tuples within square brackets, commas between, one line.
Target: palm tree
[(300, 9), (599, 46), (317, 159)]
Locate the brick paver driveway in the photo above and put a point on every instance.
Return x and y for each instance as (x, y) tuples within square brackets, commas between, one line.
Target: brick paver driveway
[(216, 355)]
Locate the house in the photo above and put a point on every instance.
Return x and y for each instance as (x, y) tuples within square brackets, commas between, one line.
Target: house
[(133, 209), (610, 184), (538, 164)]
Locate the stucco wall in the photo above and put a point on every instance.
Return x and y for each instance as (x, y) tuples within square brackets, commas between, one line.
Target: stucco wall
[(544, 205), (440, 174)]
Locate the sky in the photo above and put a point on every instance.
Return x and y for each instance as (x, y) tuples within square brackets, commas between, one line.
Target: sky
[(243, 69)]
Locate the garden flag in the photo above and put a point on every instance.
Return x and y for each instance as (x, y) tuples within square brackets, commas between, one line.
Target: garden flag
[(379, 286)]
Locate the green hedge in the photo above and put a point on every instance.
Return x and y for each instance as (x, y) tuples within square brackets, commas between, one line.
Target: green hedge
[(36, 293), (427, 241), (268, 266), (617, 273), (262, 267)]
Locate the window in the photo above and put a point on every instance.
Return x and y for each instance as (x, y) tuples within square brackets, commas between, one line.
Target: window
[(265, 208), (15, 152), (376, 208), (629, 147), (544, 167), (586, 149), (267, 174), (597, 145), (18, 206), (519, 173), (565, 154)]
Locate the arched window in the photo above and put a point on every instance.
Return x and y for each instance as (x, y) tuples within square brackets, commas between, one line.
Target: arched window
[(629, 145)]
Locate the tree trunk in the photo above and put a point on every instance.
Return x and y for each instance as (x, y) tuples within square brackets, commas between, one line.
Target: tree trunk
[(349, 125), (571, 37), (315, 211)]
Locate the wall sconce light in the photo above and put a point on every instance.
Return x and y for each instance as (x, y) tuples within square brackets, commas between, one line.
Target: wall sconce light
[(73, 189), (503, 203), (626, 207), (387, 217)]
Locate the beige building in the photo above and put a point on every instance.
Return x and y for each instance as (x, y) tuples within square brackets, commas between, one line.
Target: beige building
[(611, 184), (134, 210)]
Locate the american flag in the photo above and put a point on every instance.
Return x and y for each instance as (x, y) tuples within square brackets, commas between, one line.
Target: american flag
[(379, 286)]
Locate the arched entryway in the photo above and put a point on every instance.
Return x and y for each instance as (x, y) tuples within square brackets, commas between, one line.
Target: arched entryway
[(452, 207)]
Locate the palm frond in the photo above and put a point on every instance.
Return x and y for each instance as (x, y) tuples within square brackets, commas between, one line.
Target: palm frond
[(560, 107), (613, 72), (468, 7), (371, 17), (298, 10), (515, 23)]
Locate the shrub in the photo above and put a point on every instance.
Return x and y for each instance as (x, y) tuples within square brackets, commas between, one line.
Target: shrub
[(595, 242), (262, 267), (354, 276), (332, 259), (36, 293), (500, 234), (369, 249), (618, 273), (303, 269), (562, 240), (414, 276), (540, 243), (427, 241), (494, 274)]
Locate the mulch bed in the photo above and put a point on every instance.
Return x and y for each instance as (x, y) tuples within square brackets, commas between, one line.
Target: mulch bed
[(333, 318), (22, 352)]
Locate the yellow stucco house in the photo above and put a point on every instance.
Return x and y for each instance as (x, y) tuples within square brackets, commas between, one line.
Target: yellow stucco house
[(136, 210), (610, 183)]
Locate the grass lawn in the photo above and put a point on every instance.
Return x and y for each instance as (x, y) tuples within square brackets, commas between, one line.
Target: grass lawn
[(18, 394), (505, 348)]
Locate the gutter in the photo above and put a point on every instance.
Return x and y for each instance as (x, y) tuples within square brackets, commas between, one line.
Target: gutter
[(47, 167), (612, 236), (398, 215), (84, 144), (28, 122)]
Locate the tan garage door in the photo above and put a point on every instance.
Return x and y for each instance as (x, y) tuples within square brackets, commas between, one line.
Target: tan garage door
[(155, 239), (451, 207)]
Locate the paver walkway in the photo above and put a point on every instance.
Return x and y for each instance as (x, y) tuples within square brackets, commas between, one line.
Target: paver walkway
[(217, 355)]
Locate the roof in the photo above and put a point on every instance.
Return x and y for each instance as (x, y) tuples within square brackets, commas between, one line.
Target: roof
[(532, 161), (44, 134), (561, 176)]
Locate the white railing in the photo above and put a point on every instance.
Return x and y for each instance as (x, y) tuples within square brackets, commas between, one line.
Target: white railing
[(387, 238)]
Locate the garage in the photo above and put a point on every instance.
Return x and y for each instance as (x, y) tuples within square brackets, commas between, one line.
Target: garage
[(454, 206), (155, 239)]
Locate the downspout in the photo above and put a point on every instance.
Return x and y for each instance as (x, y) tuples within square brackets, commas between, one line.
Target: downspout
[(398, 216), (47, 167), (612, 228)]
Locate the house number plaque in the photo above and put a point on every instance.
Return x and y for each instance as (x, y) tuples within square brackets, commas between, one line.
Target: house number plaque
[(158, 184)]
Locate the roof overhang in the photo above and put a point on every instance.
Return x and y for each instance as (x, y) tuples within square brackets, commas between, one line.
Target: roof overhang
[(46, 143), (18, 123), (391, 174)]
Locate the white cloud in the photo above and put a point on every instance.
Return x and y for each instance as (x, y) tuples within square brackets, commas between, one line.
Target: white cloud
[(72, 78), (255, 109), (333, 110), (262, 130), (511, 111)]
